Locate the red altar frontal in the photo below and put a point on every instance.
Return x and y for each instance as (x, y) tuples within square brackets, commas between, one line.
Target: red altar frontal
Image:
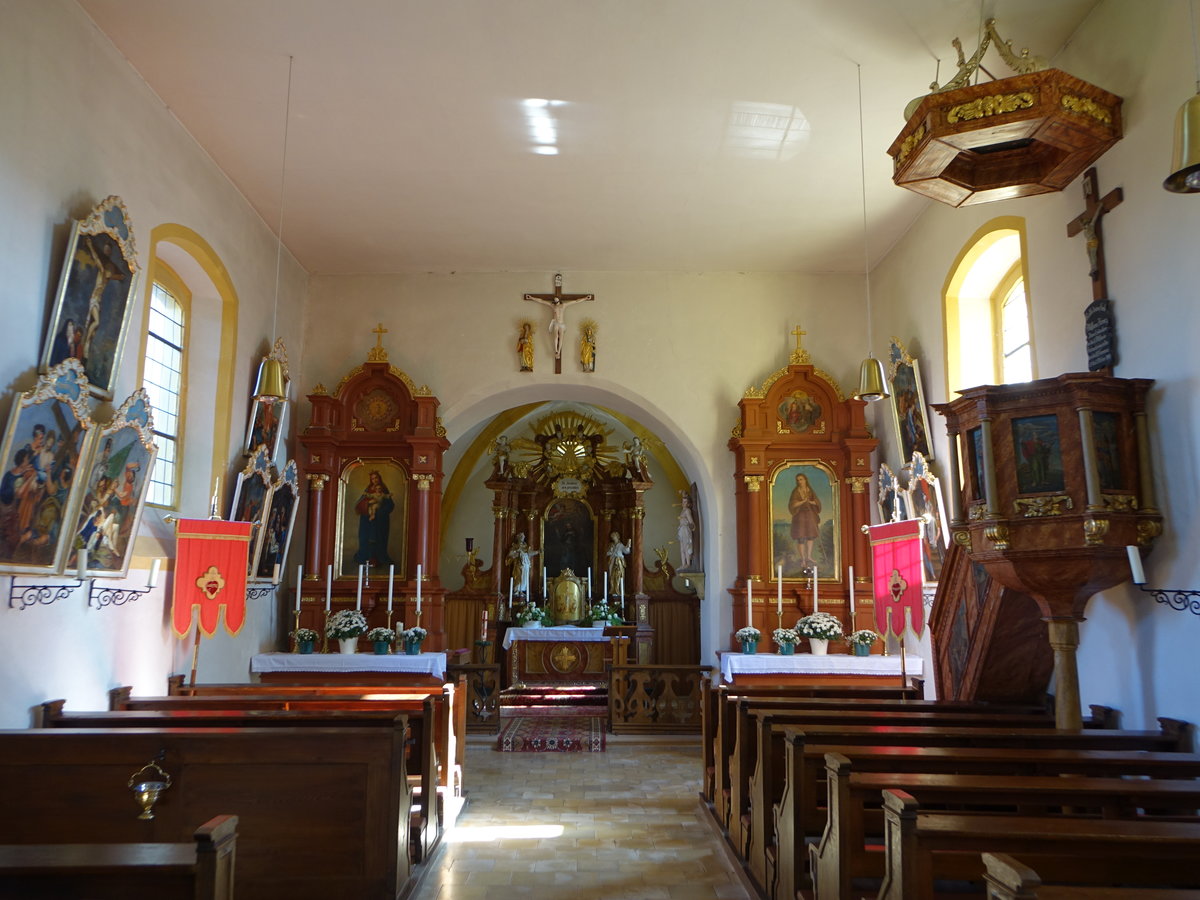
[(564, 654)]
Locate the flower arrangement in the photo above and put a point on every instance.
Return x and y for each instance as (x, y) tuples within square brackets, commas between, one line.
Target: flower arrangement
[(346, 623), (785, 636), (602, 612), (749, 633), (416, 634), (528, 613), (381, 635), (864, 637), (303, 635), (820, 625)]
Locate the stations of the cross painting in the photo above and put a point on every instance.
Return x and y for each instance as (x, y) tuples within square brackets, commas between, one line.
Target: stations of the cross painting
[(1098, 318), (558, 301)]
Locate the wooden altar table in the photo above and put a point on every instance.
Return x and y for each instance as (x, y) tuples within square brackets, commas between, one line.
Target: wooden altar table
[(564, 654), (394, 668), (774, 668)]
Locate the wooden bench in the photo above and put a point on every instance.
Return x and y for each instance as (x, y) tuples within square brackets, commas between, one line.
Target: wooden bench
[(322, 812), (200, 870), (849, 845), (1009, 879), (800, 813), (923, 848)]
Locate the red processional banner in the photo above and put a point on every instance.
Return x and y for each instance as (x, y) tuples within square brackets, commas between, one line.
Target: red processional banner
[(212, 558), (896, 554)]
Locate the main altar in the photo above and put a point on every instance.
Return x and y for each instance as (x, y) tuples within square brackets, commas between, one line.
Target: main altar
[(564, 654), (809, 668)]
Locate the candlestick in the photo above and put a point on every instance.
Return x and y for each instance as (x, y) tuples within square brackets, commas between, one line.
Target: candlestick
[(295, 629), (851, 596), (153, 579), (299, 583), (391, 578), (1135, 564), (325, 633), (779, 583), (749, 604), (328, 588), (418, 590), (358, 601)]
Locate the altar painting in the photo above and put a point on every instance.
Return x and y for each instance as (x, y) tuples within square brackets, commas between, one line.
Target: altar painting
[(568, 538), (805, 520), (372, 518)]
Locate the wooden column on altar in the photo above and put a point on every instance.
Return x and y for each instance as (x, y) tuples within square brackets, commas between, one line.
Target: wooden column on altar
[(803, 461), (373, 456)]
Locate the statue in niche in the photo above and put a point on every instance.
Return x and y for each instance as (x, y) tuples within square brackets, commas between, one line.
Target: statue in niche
[(635, 459), (687, 530), (520, 561), (616, 553)]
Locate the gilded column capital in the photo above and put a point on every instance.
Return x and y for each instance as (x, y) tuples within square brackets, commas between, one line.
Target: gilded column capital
[(858, 483), (317, 481), (423, 481), (753, 482)]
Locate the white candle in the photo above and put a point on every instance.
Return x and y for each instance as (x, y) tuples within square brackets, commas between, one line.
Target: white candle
[(779, 583), (82, 560), (604, 598), (275, 574), (510, 590), (589, 584), (328, 587), (749, 606), (814, 588), (543, 581), (622, 588), (153, 579), (418, 588), (851, 578), (391, 577), (1135, 564), (358, 602), (483, 631), (299, 579)]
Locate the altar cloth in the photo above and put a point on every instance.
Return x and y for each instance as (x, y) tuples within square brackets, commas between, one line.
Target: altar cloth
[(733, 664), (554, 633), (433, 664)]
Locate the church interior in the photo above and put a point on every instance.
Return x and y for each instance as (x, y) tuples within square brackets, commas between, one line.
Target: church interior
[(574, 303)]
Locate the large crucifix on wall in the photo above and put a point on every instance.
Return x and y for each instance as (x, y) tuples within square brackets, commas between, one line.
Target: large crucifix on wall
[(1098, 320), (558, 301)]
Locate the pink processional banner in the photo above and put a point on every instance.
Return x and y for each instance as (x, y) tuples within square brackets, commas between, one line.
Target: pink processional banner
[(896, 554), (210, 572)]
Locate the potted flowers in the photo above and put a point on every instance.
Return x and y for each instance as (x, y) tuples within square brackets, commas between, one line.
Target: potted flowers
[(412, 639), (749, 637), (305, 638), (602, 614), (529, 616), (381, 640), (786, 638), (345, 626), (820, 628), (860, 641)]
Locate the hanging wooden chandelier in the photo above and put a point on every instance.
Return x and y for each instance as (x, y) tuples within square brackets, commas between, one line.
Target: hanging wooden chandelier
[(1032, 133)]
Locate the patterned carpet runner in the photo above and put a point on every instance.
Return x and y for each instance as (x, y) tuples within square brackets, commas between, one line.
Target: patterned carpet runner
[(551, 734)]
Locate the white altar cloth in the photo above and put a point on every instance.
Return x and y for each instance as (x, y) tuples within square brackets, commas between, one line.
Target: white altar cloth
[(422, 663), (733, 664), (554, 633)]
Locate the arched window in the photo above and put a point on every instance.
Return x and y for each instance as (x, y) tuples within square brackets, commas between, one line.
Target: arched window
[(989, 338), (164, 374)]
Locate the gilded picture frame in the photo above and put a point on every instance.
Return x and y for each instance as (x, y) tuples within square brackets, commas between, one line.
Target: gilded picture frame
[(372, 519), (48, 439), (114, 496), (95, 297), (275, 537), (909, 418), (266, 428), (925, 502), (889, 498), (252, 498), (805, 531)]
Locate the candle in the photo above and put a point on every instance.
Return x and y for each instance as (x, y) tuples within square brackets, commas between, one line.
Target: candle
[(749, 607), (1135, 564), (589, 584), (153, 579), (622, 588), (510, 590), (213, 506), (604, 598), (779, 583), (851, 578), (470, 544), (543, 582), (814, 588), (82, 560), (275, 574), (483, 631), (418, 589), (358, 602), (299, 579), (391, 578), (328, 587)]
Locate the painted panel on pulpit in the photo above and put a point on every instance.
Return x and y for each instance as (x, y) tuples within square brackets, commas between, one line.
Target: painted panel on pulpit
[(371, 523), (805, 519), (1038, 451), (568, 537)]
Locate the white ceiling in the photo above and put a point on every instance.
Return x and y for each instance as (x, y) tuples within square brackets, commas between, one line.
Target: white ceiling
[(411, 147)]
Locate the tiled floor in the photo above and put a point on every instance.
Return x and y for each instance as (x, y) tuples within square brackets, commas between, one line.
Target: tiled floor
[(625, 824)]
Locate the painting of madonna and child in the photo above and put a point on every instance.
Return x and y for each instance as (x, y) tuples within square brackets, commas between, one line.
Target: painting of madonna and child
[(371, 526), (805, 521)]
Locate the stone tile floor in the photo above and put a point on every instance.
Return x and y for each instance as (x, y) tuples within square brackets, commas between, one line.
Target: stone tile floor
[(625, 824)]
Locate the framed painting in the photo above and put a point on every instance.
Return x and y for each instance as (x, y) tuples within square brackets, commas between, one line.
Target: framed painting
[(118, 475), (908, 404), (890, 499), (266, 427), (252, 497), (94, 299), (805, 519), (925, 502), (1038, 452), (568, 537), (372, 517), (269, 557), (49, 435)]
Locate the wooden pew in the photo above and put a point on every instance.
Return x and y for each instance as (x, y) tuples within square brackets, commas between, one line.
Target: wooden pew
[(855, 801), (799, 813), (923, 848), (1009, 879), (322, 812), (200, 870)]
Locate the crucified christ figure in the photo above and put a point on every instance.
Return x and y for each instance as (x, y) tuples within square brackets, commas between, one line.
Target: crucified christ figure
[(557, 302)]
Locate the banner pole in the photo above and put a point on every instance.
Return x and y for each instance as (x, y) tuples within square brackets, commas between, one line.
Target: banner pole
[(195, 651)]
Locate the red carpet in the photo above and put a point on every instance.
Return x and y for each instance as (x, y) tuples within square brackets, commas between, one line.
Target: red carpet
[(551, 734)]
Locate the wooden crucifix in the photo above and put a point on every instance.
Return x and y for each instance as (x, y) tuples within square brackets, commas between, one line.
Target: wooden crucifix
[(1098, 321), (557, 302)]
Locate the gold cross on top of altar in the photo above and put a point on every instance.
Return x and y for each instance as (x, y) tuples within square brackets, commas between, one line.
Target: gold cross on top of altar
[(799, 355), (377, 353)]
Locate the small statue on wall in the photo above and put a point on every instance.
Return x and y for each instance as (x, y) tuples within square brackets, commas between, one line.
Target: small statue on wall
[(587, 346), (617, 551), (525, 346), (687, 530)]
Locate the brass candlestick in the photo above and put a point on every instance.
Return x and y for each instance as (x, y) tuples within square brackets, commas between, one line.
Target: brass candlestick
[(296, 631), (325, 634)]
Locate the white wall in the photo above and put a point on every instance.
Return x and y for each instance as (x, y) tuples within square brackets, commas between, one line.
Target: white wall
[(79, 124), (1135, 655)]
